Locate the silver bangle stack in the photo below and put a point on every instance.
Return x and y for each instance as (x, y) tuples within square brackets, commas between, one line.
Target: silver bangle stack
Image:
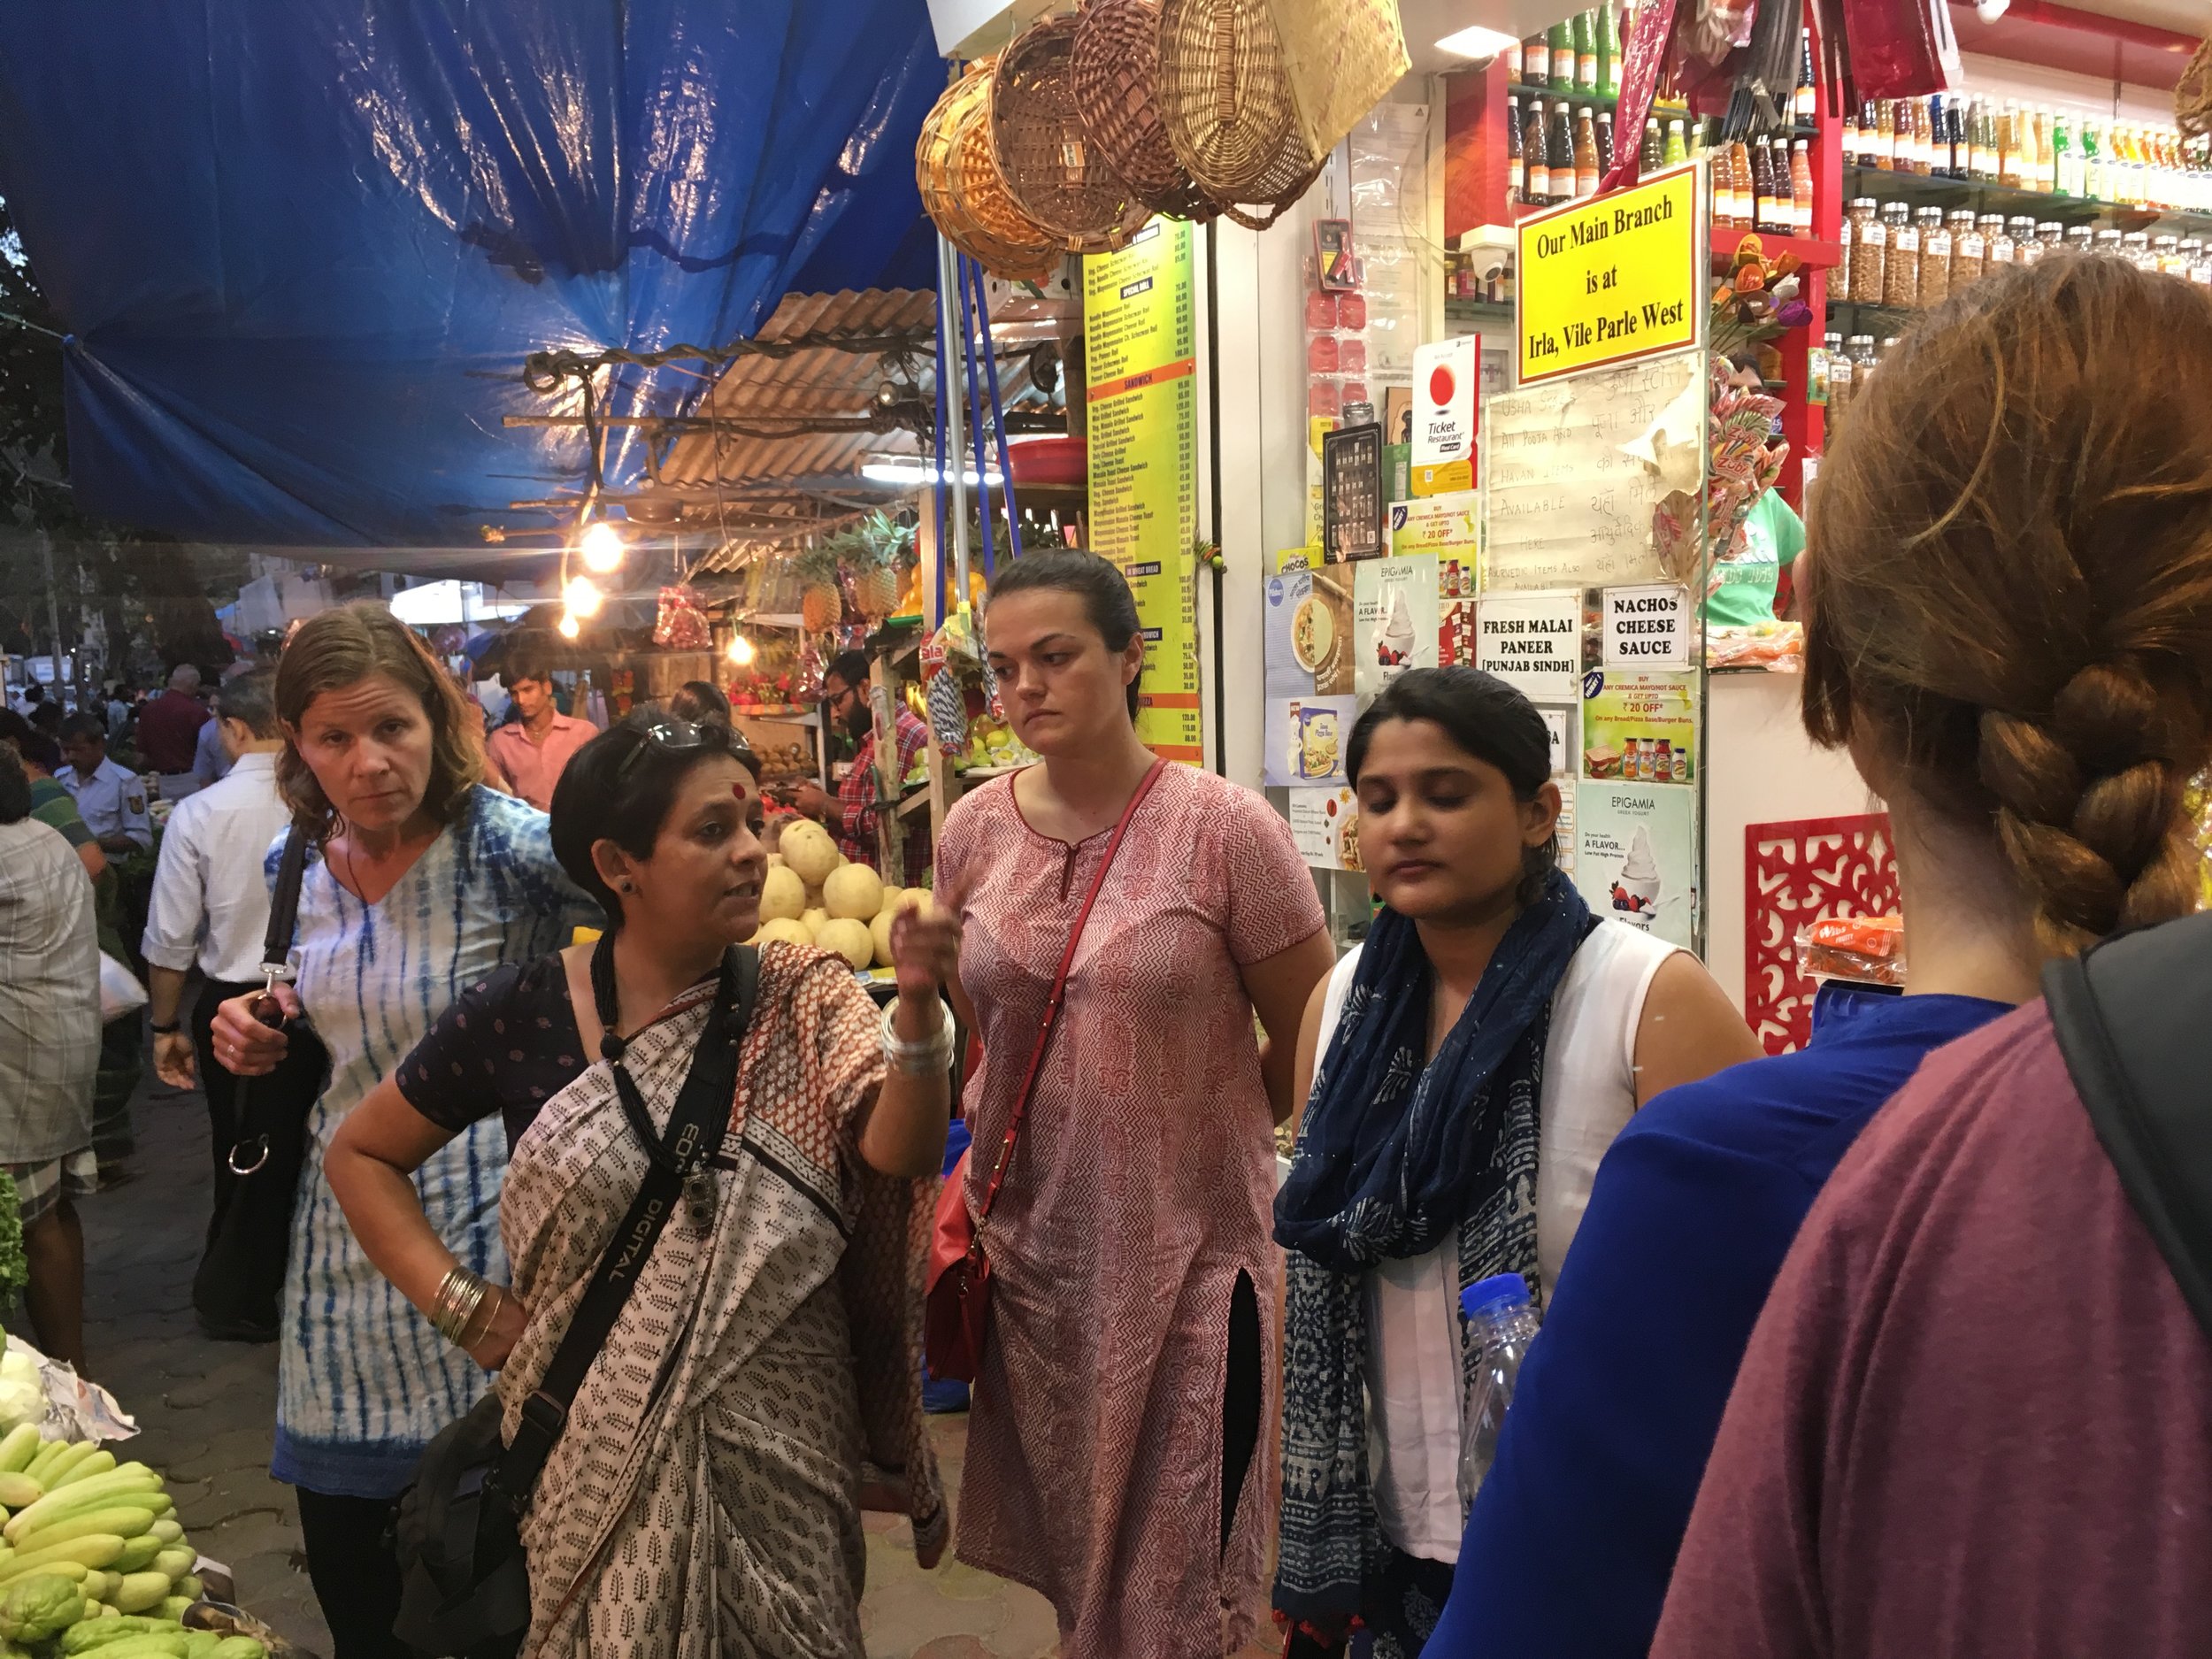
[(924, 1057), (460, 1297)]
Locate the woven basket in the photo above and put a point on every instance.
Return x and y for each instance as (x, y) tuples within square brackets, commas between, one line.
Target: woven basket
[(1341, 56), (2193, 94), (1225, 98), (1115, 61), (967, 202), (1051, 170)]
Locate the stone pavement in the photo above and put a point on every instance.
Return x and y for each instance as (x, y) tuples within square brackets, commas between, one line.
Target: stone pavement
[(205, 1409)]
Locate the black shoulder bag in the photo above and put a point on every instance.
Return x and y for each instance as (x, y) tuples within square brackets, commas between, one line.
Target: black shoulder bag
[(2134, 1021), (465, 1582), (241, 1276)]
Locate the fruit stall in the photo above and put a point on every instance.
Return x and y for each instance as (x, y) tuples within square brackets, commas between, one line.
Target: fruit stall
[(93, 1557)]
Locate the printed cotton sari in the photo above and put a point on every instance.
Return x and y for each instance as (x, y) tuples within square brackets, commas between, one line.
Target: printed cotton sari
[(706, 1498)]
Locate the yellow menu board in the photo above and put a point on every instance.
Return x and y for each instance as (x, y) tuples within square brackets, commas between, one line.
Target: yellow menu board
[(1611, 277), (1141, 334)]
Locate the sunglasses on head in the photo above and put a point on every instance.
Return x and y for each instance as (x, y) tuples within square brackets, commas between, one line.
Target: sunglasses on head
[(672, 736)]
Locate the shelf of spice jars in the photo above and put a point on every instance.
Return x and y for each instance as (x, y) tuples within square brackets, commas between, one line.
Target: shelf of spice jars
[(1885, 185)]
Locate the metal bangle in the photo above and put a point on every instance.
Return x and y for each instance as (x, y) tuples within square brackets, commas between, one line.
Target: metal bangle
[(921, 1056), (459, 1296)]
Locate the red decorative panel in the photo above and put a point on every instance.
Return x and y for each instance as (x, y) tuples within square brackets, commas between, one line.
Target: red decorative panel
[(1797, 873)]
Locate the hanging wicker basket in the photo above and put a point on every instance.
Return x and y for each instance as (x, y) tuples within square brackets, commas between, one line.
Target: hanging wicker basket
[(2192, 94), (1115, 65), (961, 192), (1052, 171), (1340, 57), (1225, 97)]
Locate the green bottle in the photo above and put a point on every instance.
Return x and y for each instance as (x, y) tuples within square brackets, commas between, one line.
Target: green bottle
[(1561, 38), (1585, 39), (2065, 166), (1608, 51), (2091, 163)]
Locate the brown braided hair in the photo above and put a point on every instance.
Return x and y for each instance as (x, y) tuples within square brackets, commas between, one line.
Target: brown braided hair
[(2010, 586)]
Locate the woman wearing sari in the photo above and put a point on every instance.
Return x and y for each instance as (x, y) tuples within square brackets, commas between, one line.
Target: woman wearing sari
[(705, 1495)]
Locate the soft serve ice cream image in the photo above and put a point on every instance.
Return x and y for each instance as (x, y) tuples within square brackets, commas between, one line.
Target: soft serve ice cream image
[(1636, 889), (1394, 634)]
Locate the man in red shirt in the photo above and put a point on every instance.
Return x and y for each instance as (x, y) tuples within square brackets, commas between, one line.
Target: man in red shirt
[(169, 733), (851, 817), (530, 754)]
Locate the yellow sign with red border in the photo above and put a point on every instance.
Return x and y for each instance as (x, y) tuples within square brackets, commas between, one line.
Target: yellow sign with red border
[(1611, 277)]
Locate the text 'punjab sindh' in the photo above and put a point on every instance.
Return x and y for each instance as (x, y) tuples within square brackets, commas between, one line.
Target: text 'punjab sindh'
[(1627, 324)]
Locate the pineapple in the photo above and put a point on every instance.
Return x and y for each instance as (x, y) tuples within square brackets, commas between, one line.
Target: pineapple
[(876, 590), (820, 604)]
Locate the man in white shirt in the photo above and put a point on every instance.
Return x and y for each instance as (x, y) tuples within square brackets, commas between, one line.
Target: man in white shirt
[(211, 909), (112, 801)]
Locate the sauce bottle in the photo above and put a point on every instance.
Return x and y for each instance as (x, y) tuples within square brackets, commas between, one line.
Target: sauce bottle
[(1802, 187), (1886, 137), (1537, 186), (1515, 152), (1652, 154), (1676, 150), (1586, 153), (1804, 101), (1605, 141)]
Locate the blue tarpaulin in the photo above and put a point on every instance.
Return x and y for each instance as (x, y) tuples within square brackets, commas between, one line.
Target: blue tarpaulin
[(302, 249)]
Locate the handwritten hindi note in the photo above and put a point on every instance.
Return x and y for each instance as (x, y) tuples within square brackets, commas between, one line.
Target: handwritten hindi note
[(1573, 470)]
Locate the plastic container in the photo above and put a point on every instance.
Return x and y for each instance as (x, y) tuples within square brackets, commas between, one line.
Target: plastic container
[(1502, 1322)]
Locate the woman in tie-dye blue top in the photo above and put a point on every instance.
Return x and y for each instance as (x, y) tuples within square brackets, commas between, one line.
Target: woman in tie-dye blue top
[(421, 881)]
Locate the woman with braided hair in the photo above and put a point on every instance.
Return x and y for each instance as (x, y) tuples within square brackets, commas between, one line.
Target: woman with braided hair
[(2008, 626), (1975, 1417)]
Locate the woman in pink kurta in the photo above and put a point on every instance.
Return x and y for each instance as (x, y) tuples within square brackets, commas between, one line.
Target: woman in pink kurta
[(1116, 1461)]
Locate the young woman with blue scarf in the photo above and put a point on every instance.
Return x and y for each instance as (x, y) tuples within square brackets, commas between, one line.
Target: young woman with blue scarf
[(1464, 1071)]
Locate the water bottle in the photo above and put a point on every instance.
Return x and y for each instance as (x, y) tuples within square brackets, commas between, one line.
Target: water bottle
[(1504, 1322)]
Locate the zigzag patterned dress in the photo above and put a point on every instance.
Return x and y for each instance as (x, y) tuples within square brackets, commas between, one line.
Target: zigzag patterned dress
[(1143, 1188)]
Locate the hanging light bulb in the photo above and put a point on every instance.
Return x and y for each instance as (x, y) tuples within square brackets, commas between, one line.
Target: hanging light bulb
[(601, 547), (582, 596), (568, 627), (741, 651)]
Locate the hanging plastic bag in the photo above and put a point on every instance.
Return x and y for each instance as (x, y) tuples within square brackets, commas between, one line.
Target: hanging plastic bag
[(1900, 49), (681, 625)]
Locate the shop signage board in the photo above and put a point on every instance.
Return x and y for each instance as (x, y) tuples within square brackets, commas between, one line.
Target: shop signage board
[(1611, 277), (1446, 378), (1573, 471), (1532, 641), (1140, 320), (1636, 856), (1648, 626), (1639, 727), (1325, 824)]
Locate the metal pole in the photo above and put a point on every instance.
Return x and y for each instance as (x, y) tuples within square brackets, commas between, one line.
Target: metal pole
[(53, 607), (951, 460)]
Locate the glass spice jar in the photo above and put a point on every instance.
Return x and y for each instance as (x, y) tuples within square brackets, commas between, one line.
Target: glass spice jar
[(2051, 234), (1901, 278), (2109, 242), (1997, 242), (1840, 386), (1862, 367), (2025, 248), (2166, 253), (2136, 246), (1869, 252), (1935, 257), (1969, 252)]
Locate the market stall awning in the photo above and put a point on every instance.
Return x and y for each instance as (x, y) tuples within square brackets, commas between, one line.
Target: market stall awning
[(303, 251)]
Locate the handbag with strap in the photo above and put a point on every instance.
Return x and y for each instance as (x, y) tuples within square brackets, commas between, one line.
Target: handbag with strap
[(958, 1299), (241, 1275), (465, 1579)]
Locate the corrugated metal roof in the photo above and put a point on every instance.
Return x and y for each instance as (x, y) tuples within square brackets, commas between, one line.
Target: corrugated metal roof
[(818, 381)]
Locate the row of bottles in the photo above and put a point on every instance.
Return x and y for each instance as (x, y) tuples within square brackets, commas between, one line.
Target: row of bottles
[(1766, 184), (1894, 256), (1578, 54), (1555, 155), (2020, 146)]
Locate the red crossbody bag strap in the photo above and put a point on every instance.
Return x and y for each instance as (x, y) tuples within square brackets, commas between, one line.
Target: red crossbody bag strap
[(1059, 990)]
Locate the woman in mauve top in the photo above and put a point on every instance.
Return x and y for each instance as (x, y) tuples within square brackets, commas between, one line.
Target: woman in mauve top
[(1115, 1458), (2009, 623)]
